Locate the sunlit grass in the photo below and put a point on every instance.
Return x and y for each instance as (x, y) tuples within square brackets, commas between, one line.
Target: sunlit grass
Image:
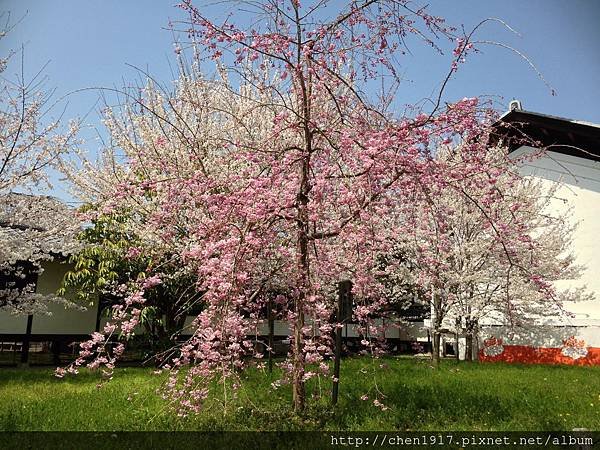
[(456, 397)]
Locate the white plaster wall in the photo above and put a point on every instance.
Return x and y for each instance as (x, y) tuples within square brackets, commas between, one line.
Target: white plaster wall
[(541, 336), (10, 324), (579, 180), (404, 331), (62, 320)]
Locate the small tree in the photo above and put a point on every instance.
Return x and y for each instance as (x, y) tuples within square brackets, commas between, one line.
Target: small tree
[(111, 257), (495, 251)]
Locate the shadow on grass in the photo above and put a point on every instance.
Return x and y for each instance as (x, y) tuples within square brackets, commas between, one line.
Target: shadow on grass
[(422, 407)]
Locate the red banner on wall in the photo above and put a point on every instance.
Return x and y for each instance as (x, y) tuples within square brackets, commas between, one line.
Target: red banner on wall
[(574, 351)]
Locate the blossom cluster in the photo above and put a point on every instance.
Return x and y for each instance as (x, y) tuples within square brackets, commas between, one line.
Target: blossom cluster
[(33, 230)]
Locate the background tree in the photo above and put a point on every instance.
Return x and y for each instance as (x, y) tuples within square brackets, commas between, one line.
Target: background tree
[(112, 257), (30, 142), (497, 267), (32, 228)]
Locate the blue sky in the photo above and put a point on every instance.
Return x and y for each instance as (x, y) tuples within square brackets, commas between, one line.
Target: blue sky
[(90, 44)]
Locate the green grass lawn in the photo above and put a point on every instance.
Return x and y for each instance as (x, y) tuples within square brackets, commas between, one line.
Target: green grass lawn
[(456, 397)]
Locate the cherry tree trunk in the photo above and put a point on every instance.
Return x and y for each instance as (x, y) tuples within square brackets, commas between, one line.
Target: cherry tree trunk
[(469, 339), (475, 341), (303, 264), (469, 346), (298, 389)]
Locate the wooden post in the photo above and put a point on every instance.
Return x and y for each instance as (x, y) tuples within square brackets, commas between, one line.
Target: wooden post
[(458, 326), (56, 352), (336, 365), (271, 333), (344, 313), (436, 325), (99, 313), (26, 340)]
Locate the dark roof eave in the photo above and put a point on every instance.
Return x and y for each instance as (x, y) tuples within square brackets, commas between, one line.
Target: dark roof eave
[(518, 127)]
